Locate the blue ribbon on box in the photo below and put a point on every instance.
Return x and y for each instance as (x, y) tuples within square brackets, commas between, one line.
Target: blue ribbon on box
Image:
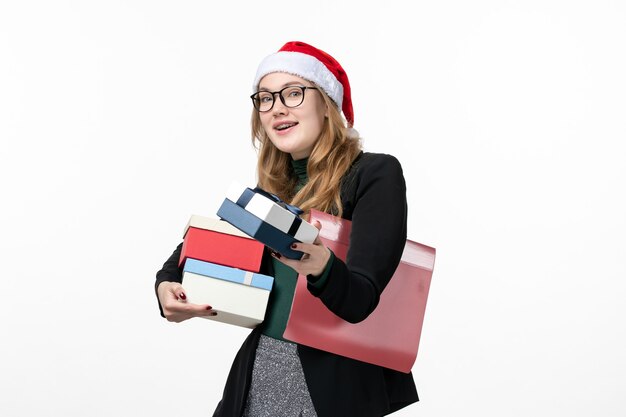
[(248, 193), (295, 210)]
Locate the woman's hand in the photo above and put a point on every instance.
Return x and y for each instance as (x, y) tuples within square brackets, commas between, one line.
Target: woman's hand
[(314, 260), (175, 306)]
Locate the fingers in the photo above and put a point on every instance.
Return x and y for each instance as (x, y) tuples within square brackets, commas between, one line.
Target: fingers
[(184, 311), (193, 309), (175, 305), (170, 290), (318, 226), (313, 262)]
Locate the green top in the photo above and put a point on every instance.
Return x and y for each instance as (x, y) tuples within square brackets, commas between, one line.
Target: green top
[(285, 278)]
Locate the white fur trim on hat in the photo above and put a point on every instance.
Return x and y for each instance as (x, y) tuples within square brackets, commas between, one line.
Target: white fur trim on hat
[(352, 133), (304, 66)]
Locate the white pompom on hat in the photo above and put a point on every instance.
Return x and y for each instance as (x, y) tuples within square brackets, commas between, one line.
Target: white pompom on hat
[(312, 64)]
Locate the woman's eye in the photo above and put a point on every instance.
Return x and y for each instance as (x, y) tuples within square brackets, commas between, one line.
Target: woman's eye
[(296, 92), (265, 98)]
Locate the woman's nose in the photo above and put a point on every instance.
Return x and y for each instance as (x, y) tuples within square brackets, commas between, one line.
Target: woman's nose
[(279, 107)]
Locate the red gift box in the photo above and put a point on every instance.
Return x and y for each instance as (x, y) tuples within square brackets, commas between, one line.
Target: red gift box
[(388, 337), (216, 241)]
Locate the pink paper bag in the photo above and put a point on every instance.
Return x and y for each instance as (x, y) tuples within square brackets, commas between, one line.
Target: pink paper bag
[(390, 336)]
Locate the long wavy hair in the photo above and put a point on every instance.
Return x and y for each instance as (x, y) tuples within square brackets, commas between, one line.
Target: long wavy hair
[(330, 159)]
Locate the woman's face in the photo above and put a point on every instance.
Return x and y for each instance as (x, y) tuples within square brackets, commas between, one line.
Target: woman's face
[(293, 130)]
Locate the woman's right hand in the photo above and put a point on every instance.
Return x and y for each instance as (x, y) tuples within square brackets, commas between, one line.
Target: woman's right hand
[(175, 306)]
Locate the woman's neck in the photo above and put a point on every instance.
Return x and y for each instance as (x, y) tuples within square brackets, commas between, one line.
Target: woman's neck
[(299, 168)]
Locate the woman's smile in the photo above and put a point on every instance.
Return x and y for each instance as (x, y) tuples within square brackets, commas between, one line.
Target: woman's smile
[(284, 127)]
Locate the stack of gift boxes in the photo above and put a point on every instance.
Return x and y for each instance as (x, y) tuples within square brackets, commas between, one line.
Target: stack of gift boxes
[(221, 258), (220, 268)]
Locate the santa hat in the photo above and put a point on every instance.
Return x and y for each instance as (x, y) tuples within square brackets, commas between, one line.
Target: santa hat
[(312, 64)]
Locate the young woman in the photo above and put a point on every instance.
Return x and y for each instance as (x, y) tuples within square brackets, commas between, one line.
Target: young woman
[(311, 157)]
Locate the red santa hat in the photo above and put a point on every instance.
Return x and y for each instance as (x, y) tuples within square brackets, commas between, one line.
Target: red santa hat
[(312, 64)]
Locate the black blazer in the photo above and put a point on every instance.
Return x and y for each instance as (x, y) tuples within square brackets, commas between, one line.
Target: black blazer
[(373, 195)]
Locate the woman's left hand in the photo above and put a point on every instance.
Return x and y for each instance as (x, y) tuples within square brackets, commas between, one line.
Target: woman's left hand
[(315, 257)]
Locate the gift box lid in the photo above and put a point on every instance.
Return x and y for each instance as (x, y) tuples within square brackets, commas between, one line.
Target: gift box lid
[(229, 274), (216, 225)]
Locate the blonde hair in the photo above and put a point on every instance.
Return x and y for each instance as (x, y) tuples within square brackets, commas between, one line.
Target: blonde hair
[(330, 159)]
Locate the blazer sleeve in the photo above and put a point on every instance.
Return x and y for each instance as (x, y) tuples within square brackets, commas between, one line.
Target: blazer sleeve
[(377, 239), (169, 272)]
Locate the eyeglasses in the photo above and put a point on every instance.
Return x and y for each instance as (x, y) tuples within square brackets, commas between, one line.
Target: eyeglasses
[(291, 96)]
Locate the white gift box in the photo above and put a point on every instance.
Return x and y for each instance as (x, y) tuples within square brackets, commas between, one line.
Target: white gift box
[(239, 297), (272, 213)]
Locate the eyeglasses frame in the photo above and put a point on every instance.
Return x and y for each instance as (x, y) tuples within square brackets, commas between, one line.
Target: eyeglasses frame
[(280, 95)]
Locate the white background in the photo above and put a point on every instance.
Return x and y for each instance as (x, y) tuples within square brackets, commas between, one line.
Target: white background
[(120, 119)]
